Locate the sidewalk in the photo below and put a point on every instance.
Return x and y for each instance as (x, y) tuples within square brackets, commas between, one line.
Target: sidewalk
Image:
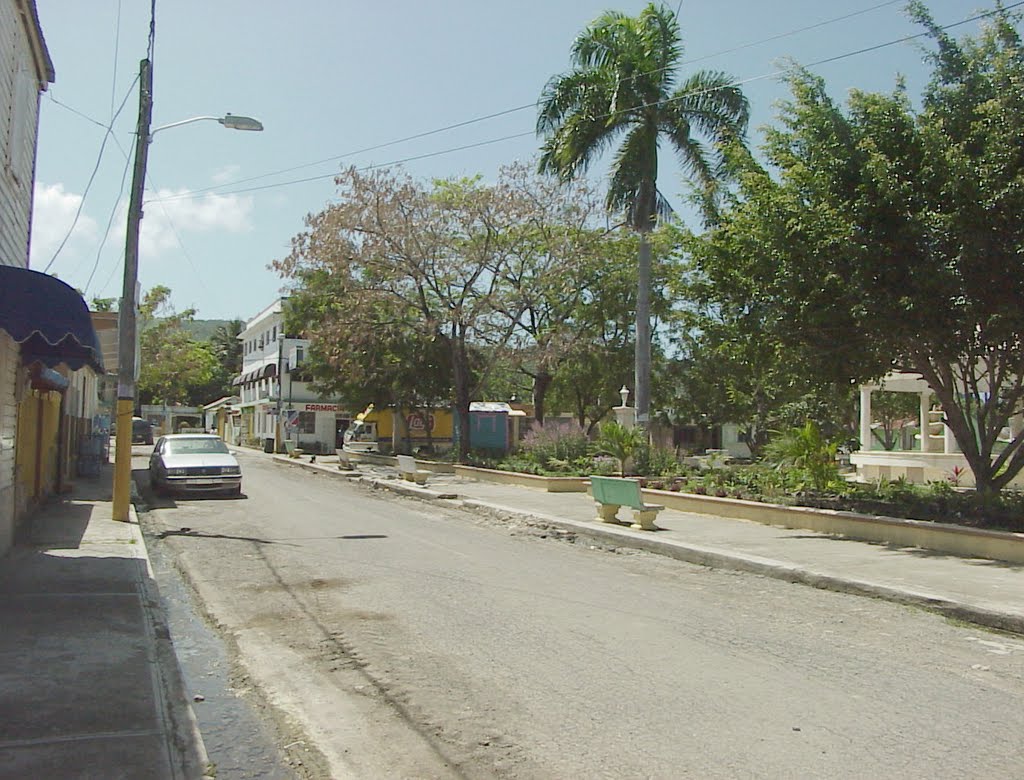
[(981, 591), (89, 685)]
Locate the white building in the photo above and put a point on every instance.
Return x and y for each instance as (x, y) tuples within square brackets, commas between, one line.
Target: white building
[(269, 383), (48, 347)]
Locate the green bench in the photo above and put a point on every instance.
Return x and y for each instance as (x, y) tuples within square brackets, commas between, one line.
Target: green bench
[(292, 449), (610, 493)]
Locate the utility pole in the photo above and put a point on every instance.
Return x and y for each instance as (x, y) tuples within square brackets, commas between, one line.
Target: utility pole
[(278, 432), (126, 320)]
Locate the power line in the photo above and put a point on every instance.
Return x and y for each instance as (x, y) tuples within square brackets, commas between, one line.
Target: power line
[(526, 106), (177, 237), (92, 176), (88, 118), (110, 221), (117, 46), (741, 82)]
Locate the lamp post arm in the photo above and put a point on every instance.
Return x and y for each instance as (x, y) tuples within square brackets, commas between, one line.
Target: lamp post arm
[(156, 130)]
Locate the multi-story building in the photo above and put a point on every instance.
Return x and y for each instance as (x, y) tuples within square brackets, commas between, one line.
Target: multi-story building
[(269, 385), (48, 348)]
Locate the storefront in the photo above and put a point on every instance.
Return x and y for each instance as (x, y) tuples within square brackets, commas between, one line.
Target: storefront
[(49, 358), (316, 426)]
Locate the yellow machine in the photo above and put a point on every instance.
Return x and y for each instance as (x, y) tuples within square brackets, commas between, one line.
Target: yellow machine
[(373, 430)]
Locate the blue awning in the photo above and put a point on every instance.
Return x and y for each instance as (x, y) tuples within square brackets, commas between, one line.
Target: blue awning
[(48, 318)]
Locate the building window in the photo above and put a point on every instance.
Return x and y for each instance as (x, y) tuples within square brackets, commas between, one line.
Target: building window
[(298, 355), (306, 422)]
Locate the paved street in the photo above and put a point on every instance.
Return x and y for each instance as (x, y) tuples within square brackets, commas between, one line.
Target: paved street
[(405, 639)]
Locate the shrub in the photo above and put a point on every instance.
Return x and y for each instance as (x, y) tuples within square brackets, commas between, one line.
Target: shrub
[(655, 461), (806, 449), (555, 440), (620, 442)]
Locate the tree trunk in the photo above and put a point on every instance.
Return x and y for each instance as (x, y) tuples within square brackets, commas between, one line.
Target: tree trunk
[(643, 333), (460, 377), (541, 383), (396, 430)]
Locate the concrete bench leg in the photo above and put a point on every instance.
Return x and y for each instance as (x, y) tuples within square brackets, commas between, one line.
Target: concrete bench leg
[(606, 513), (644, 519)]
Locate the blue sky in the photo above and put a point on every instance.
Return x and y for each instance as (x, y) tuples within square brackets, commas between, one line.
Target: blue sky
[(332, 77)]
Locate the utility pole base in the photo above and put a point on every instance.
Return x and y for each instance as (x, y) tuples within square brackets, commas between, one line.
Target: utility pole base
[(123, 460)]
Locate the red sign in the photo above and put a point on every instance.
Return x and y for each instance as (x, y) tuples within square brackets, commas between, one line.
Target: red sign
[(416, 423)]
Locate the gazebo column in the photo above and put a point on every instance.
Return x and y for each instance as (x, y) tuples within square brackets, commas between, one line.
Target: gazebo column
[(1016, 425), (865, 417), (926, 428), (949, 440)]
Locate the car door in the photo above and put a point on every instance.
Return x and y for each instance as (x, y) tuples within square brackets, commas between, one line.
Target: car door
[(157, 470)]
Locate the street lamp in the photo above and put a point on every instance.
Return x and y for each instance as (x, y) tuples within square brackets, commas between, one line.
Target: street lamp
[(126, 325), (231, 121)]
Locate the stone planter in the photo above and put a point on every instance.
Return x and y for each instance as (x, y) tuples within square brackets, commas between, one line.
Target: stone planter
[(548, 484), (941, 537)]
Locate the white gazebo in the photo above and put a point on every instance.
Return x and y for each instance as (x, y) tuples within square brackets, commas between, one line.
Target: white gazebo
[(938, 457)]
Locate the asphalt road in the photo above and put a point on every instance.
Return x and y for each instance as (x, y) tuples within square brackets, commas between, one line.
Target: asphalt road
[(402, 638)]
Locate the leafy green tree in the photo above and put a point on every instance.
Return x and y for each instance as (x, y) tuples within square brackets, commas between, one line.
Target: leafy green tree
[(892, 410), (731, 366), (549, 281), (623, 85), (173, 364), (227, 350), (427, 260), (889, 236)]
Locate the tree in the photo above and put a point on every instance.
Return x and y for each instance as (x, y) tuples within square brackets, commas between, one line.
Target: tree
[(892, 411), (731, 365), (173, 364), (549, 282), (228, 348), (227, 351), (889, 237), (624, 84), (427, 261)]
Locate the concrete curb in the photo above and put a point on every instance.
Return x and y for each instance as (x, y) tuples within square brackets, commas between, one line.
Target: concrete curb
[(177, 714), (712, 557), (724, 559)]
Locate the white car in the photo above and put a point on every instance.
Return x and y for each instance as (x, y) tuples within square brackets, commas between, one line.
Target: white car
[(193, 461)]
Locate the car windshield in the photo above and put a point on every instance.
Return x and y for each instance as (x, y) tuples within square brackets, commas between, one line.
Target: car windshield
[(195, 446)]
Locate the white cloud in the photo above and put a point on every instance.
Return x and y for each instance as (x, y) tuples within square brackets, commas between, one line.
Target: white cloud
[(226, 174), (53, 214), (168, 216)]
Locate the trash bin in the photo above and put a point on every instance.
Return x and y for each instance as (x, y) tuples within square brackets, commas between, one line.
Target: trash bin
[(268, 444)]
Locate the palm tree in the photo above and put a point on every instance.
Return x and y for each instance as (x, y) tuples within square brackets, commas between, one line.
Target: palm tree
[(623, 83)]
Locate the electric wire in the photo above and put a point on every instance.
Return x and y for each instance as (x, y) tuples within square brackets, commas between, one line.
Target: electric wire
[(525, 106), (696, 93), (92, 176), (117, 46), (110, 222)]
